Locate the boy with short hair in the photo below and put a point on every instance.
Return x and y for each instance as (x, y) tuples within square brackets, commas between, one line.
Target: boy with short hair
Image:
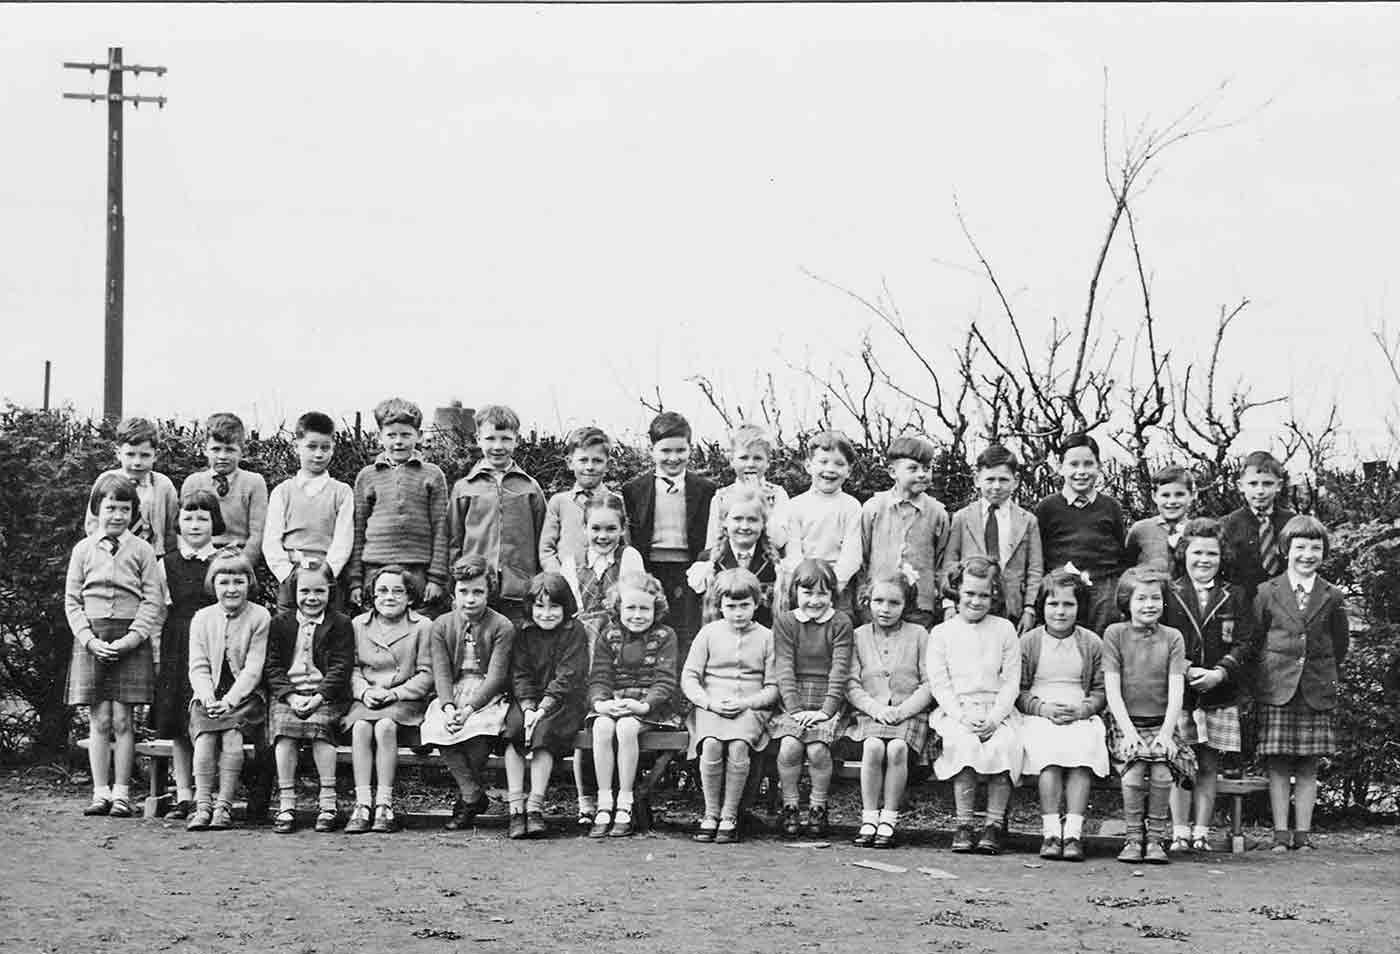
[(310, 515), (1151, 542), (587, 451), (1252, 532), (242, 494), (497, 512), (824, 521), (400, 508), (1081, 526), (750, 453), (137, 438), (1001, 530), (906, 527), (668, 511)]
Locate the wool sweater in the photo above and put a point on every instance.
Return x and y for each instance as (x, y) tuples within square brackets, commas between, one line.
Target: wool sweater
[(635, 666), (244, 508), (400, 517), (494, 638), (160, 509), (121, 585), (809, 650), (1090, 537), (1091, 678)]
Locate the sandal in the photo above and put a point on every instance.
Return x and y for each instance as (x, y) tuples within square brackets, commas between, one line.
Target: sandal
[(327, 820), (585, 819), (285, 822), (622, 824), (98, 806), (706, 832), (1179, 846), (1200, 844), (602, 821), (121, 808), (884, 835), (728, 831), (865, 838)]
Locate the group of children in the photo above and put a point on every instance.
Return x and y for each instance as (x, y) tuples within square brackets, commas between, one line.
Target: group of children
[(489, 618)]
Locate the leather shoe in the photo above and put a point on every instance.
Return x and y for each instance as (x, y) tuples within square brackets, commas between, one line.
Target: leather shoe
[(727, 834), (884, 835), (815, 825), (865, 838), (963, 842), (98, 806), (1073, 850), (534, 825), (327, 820), (385, 821), (517, 828), (200, 819), (1131, 853), (602, 821), (792, 822), (1052, 847), (990, 843), (622, 824), (361, 819), (705, 833), (285, 822), (222, 818), (1154, 853), (180, 810)]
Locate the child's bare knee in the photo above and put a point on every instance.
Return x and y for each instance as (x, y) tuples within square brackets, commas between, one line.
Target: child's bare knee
[(898, 751), (712, 750), (819, 756), (791, 751), (386, 732), (603, 728), (120, 720), (738, 753), (629, 729), (873, 750), (100, 720)]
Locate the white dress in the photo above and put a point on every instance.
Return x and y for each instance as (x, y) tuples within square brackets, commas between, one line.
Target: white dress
[(1058, 678), (975, 669)]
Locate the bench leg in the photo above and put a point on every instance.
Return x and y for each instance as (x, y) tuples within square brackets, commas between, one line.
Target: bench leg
[(157, 771), (641, 813), (1237, 823)]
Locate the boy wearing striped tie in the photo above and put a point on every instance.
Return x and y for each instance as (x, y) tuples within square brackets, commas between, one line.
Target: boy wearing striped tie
[(242, 494), (1252, 532)]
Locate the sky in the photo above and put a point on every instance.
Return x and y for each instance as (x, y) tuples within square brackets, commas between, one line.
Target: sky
[(562, 208)]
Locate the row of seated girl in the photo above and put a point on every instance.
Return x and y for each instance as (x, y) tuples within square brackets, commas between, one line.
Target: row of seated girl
[(1005, 706)]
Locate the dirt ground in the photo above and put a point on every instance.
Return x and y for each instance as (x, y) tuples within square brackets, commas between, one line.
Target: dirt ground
[(71, 884)]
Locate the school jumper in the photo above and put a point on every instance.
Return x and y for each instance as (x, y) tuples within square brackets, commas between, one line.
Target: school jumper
[(309, 518), (400, 518), (471, 669), (639, 666), (724, 662), (157, 520), (887, 669), (243, 505), (1151, 544), (812, 660), (227, 654), (1090, 535), (112, 589)]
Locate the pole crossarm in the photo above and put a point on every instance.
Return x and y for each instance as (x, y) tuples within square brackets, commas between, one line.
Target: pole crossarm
[(126, 68), (113, 98)]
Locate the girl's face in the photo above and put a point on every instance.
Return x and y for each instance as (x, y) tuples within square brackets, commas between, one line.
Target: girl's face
[(1145, 606), (1061, 609), (470, 596), (547, 613), (196, 527), (813, 600), (390, 596), (1305, 555), (313, 593), (1202, 559), (974, 597), (113, 516), (737, 612), (636, 608), (749, 463), (886, 604), (604, 529), (744, 523), (231, 590)]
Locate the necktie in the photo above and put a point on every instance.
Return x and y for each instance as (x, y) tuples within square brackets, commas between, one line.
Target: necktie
[(1302, 595), (1081, 501), (111, 544), (991, 536), (221, 485), (1268, 553), (671, 487), (1203, 597)]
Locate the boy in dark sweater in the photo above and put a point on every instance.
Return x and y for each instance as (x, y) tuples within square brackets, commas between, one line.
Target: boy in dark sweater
[(1081, 526)]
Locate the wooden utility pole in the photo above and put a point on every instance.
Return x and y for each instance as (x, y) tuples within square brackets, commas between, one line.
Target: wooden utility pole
[(114, 292), (48, 376)]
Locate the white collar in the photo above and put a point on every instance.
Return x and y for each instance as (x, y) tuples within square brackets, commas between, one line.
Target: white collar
[(678, 480), (1307, 583), (803, 616), (312, 485), (743, 557), (203, 553), (598, 562), (1070, 496), (303, 620)]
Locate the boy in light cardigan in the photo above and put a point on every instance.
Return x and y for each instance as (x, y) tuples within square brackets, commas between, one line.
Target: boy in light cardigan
[(906, 526), (587, 451), (242, 494)]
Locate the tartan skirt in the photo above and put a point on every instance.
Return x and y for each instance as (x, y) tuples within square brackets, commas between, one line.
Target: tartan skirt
[(1182, 765), (130, 679), (1218, 729), (323, 725), (913, 731), (811, 695), (1295, 728), (249, 713)]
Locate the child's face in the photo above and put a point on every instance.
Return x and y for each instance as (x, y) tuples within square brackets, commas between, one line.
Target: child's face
[(1202, 559), (314, 452), (1080, 470), (636, 608), (829, 470), (497, 445), (196, 527), (223, 457), (813, 600), (231, 590), (1061, 609), (471, 596), (974, 597), (749, 463), (670, 455), (590, 465), (737, 612), (390, 596), (743, 524), (547, 613), (136, 460), (1173, 500), (886, 604), (910, 476), (996, 484), (313, 594), (399, 441), (604, 529), (113, 516), (1305, 555), (1145, 606), (1259, 488)]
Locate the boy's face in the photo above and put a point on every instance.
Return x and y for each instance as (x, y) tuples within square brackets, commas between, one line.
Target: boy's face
[(222, 456), (196, 527), (471, 596), (749, 463), (828, 470), (1080, 470), (497, 445), (113, 516), (313, 593), (670, 455), (1202, 559), (314, 452), (910, 476), (1305, 555), (136, 460), (996, 484), (1173, 500), (399, 441), (589, 465), (1259, 487)]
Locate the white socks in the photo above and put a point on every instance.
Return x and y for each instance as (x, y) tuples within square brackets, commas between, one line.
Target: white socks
[(1181, 831), (605, 801), (101, 793), (888, 817), (184, 794), (384, 795), (869, 816), (121, 791), (1050, 826), (1200, 831), (1074, 826), (364, 795)]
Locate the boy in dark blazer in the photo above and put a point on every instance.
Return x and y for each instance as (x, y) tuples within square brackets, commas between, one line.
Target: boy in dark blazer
[(667, 513), (1252, 532)]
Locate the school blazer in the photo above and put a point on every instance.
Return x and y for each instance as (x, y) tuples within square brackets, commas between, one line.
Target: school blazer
[(639, 496), (1298, 650), (1215, 635), (1020, 578), (332, 652), (1240, 530)]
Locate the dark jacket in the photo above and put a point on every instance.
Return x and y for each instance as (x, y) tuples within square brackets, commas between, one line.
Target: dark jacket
[(1213, 636), (638, 666), (1296, 650), (639, 495), (1241, 533), (332, 652)]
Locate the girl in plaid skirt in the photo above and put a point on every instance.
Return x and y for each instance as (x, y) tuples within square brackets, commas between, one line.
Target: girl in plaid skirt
[(812, 659)]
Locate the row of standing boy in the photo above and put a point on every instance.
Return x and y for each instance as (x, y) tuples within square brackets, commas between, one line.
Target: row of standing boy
[(400, 515)]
